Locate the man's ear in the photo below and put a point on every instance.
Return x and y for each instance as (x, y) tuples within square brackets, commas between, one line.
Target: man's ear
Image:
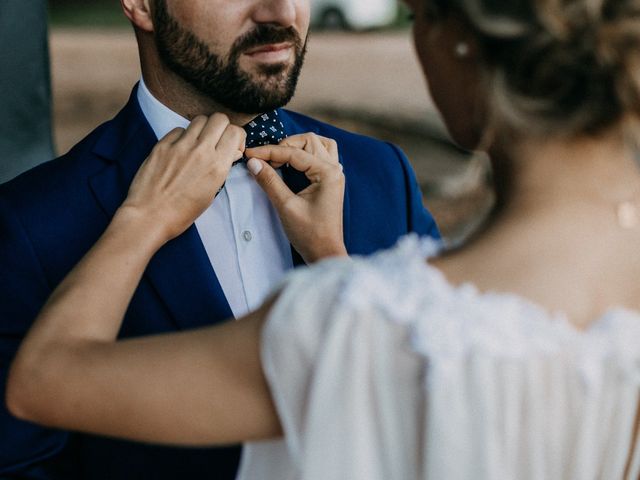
[(139, 13)]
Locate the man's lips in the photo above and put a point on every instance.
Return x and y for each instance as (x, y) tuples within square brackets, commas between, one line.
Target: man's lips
[(272, 53), (273, 47)]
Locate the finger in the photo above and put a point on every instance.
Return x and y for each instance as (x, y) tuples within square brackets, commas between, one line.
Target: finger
[(192, 132), (213, 129), (332, 148), (310, 142), (173, 136), (315, 144), (301, 140), (232, 141), (270, 182), (278, 154)]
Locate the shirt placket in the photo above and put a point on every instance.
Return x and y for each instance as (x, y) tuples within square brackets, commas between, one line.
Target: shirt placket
[(247, 238)]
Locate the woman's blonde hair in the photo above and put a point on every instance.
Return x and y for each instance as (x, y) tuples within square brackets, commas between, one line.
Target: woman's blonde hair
[(564, 67)]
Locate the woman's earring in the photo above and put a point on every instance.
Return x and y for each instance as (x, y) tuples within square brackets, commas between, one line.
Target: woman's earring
[(461, 50)]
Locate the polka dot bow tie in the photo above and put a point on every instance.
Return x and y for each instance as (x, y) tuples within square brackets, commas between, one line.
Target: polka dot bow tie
[(265, 129)]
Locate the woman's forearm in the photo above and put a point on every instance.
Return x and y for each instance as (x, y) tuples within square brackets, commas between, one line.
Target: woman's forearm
[(90, 303), (201, 387)]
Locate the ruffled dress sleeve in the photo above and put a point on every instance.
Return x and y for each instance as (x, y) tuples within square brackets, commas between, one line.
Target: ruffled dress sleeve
[(346, 385)]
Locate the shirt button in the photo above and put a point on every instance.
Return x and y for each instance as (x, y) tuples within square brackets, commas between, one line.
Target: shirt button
[(247, 235)]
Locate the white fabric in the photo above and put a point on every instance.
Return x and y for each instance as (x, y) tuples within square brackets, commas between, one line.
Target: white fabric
[(241, 231), (382, 370), (246, 245)]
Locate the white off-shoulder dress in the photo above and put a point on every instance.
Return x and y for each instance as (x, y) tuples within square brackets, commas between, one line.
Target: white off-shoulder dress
[(382, 370)]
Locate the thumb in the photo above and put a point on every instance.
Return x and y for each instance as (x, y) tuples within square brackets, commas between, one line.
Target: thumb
[(270, 181)]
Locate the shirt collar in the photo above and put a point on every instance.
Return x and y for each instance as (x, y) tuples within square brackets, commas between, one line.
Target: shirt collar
[(160, 117), (162, 120)]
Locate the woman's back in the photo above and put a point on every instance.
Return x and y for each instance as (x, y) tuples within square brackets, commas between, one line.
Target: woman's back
[(429, 380), (568, 236)]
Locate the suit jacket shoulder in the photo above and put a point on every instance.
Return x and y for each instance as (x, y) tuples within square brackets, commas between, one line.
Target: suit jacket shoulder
[(356, 147), (59, 178), (383, 199), (64, 205)]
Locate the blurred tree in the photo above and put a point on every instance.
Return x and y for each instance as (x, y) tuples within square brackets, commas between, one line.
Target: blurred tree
[(25, 87), (82, 3), (86, 14)]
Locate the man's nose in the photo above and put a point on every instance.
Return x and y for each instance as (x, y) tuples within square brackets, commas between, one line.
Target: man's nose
[(279, 12)]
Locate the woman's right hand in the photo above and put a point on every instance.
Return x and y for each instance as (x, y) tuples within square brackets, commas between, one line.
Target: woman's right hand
[(183, 173)]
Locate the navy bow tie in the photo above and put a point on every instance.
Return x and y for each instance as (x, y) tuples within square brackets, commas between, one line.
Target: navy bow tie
[(265, 129)]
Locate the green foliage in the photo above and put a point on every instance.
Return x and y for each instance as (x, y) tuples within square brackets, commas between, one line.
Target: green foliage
[(402, 19), (81, 13)]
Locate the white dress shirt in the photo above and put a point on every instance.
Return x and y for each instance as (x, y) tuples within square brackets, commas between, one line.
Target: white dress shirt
[(249, 252), (241, 231)]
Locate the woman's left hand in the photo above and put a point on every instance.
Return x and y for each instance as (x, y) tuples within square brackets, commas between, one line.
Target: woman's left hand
[(183, 173), (312, 219)]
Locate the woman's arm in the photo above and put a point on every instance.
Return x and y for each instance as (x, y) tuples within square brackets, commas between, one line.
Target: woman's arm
[(70, 373), (195, 388), (201, 387)]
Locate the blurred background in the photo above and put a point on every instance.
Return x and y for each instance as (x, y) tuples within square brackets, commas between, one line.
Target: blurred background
[(360, 74)]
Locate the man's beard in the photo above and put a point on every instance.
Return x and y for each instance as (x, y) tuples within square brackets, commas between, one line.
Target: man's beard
[(221, 79)]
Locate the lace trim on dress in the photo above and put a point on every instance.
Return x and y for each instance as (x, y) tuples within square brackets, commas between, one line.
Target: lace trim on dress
[(448, 321)]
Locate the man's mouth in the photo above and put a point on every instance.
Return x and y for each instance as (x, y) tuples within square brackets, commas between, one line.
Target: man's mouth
[(271, 53)]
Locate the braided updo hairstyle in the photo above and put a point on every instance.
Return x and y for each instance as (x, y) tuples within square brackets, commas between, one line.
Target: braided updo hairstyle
[(562, 67)]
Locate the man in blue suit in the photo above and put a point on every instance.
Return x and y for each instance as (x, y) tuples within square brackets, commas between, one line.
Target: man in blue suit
[(197, 57)]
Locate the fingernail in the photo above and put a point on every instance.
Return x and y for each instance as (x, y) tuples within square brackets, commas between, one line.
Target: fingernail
[(254, 166)]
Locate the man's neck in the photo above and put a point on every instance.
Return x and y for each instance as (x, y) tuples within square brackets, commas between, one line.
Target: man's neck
[(185, 100)]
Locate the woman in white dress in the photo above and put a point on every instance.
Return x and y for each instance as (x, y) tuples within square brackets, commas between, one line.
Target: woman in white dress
[(515, 356)]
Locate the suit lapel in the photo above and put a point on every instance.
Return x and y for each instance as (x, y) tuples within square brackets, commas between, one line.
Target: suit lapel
[(180, 272), (297, 181)]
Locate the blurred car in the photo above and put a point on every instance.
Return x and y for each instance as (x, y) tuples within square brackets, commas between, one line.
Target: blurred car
[(353, 14)]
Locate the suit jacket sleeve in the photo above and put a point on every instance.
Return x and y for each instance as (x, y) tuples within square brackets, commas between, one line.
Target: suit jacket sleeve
[(23, 291), (420, 220)]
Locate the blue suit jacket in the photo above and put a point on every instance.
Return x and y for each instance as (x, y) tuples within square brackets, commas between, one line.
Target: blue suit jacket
[(51, 216)]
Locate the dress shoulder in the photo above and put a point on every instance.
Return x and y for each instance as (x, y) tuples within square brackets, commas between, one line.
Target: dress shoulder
[(330, 356), (391, 281)]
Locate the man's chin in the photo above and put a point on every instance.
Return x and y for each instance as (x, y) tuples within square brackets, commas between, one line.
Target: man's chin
[(271, 83), (260, 72), (261, 89)]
